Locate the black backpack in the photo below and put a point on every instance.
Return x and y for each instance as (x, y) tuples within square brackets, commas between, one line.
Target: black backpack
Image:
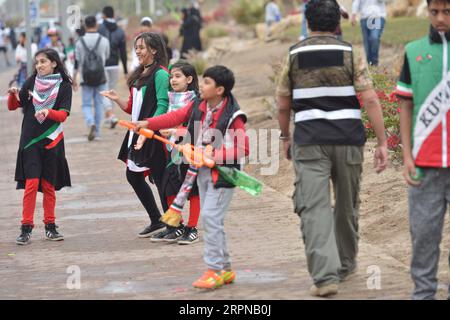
[(93, 66)]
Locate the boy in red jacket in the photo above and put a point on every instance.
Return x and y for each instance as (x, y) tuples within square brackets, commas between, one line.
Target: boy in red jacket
[(216, 111)]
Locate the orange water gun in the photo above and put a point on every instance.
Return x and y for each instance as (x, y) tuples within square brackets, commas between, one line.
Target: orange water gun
[(194, 155)]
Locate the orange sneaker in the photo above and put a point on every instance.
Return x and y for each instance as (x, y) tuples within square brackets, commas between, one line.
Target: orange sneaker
[(228, 276), (209, 280)]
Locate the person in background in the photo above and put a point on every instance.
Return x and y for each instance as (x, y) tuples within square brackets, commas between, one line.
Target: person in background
[(12, 38), (304, 27), (373, 19), (22, 59), (190, 31), (56, 43), (345, 15), (90, 49), (70, 56), (118, 51), (272, 15), (3, 44), (44, 42), (145, 26)]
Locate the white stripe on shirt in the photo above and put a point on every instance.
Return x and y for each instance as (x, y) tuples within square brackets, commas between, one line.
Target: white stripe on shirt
[(345, 91), (315, 114)]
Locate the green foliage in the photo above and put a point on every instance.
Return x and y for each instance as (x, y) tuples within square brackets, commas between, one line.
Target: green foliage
[(248, 12), (384, 87), (397, 31)]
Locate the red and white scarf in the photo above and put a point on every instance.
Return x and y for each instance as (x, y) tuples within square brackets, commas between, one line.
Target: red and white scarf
[(45, 91)]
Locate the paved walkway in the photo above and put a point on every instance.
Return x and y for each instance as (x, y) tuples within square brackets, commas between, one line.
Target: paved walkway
[(100, 217)]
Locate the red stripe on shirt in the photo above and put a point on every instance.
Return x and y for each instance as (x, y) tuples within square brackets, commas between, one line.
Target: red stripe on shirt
[(55, 142)]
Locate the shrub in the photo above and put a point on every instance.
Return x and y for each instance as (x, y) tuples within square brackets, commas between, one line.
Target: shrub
[(384, 87), (215, 30), (196, 59), (248, 12)]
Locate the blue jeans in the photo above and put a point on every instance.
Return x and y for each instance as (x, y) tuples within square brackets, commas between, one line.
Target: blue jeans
[(372, 29), (22, 75), (89, 94), (304, 29)]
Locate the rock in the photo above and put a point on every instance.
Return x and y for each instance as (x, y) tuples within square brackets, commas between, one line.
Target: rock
[(400, 8)]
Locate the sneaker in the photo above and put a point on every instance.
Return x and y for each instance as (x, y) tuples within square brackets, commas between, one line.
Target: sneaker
[(152, 229), (174, 235), (25, 235), (91, 134), (190, 236), (159, 237), (324, 291), (114, 122), (51, 233), (228, 276), (209, 280)]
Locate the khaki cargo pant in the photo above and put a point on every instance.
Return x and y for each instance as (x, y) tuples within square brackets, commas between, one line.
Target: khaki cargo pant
[(330, 235)]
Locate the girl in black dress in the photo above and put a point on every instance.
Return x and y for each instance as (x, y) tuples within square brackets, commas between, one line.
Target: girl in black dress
[(45, 99), (149, 86)]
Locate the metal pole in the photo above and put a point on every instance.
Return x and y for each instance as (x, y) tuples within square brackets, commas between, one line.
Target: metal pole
[(151, 6), (64, 16), (29, 32), (138, 8)]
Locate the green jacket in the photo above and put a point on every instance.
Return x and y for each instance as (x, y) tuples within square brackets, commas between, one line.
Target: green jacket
[(429, 87)]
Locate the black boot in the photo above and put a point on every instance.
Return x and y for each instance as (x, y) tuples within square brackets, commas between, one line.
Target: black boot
[(51, 233), (25, 235)]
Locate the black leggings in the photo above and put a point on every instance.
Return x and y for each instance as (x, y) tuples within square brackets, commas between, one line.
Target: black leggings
[(145, 194)]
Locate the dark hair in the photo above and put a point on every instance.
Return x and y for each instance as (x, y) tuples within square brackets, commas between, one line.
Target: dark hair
[(152, 41), (108, 11), (23, 34), (189, 71), (323, 15), (168, 49), (222, 76), (146, 23), (53, 56), (90, 22)]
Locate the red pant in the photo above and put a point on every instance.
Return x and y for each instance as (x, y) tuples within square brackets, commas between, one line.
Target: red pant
[(194, 211), (29, 201)]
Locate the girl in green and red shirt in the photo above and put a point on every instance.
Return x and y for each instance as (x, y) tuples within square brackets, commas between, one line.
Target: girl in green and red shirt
[(149, 86)]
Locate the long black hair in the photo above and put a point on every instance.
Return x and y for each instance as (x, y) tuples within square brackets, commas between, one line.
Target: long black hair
[(53, 56), (189, 71), (152, 41)]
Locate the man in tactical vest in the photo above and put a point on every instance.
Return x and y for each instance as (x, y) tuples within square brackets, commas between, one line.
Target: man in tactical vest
[(424, 89), (319, 83)]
